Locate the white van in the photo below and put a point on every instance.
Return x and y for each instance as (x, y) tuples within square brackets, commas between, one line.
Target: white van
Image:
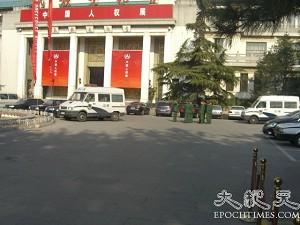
[(96, 102), (7, 99), (278, 105)]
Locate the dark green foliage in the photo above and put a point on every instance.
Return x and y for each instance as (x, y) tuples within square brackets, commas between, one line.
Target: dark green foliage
[(231, 16), (198, 68), (276, 73)]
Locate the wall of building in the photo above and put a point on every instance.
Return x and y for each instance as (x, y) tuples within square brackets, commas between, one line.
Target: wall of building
[(9, 52)]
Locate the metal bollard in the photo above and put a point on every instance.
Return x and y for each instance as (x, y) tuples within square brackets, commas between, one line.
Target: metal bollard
[(261, 185), (275, 209), (254, 168)]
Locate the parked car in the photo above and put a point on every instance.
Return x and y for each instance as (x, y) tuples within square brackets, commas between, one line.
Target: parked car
[(269, 126), (217, 111), (25, 103), (163, 109), (137, 108), (7, 99), (48, 102), (54, 107), (195, 110), (289, 132), (235, 112)]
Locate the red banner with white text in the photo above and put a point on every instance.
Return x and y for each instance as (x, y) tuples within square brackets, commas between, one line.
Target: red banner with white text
[(126, 68), (159, 11), (35, 28), (60, 68)]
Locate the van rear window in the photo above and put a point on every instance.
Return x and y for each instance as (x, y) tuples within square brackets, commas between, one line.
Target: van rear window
[(276, 105), (290, 105), (116, 98)]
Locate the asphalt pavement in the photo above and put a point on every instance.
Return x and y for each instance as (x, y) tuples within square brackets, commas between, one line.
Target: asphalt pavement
[(142, 170)]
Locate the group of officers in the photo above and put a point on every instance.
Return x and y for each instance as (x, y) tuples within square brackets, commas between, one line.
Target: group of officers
[(204, 114)]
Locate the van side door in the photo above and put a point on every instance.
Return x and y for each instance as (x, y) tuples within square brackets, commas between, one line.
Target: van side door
[(103, 104), (276, 107)]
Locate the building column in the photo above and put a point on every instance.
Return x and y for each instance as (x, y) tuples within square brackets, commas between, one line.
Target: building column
[(81, 62), (21, 81), (38, 87), (167, 56), (145, 68), (72, 64), (108, 60)]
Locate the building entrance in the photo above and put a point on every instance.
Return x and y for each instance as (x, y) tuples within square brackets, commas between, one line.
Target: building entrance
[(97, 76)]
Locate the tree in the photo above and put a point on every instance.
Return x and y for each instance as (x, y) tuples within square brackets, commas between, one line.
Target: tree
[(198, 68), (231, 16), (275, 72)]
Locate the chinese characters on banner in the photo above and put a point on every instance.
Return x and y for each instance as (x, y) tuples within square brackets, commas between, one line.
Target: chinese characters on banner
[(103, 12), (126, 68), (60, 63), (35, 28)]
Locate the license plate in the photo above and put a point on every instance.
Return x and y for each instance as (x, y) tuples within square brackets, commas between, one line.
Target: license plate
[(132, 107), (236, 113), (62, 113)]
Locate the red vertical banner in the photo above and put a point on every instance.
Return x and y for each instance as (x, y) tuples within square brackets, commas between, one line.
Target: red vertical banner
[(126, 68), (35, 26), (59, 75), (50, 39)]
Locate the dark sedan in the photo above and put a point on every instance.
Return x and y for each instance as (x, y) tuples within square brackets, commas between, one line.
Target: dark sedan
[(163, 109), (47, 103), (25, 103), (137, 108), (54, 107), (270, 125)]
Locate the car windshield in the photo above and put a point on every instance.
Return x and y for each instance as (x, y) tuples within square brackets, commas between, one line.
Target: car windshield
[(20, 101), (217, 107), (237, 108), (294, 114), (77, 96), (163, 104), (49, 102), (254, 103)]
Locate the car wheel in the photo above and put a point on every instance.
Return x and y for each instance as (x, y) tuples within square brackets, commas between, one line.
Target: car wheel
[(67, 118), (115, 116), (81, 117), (253, 120), (296, 140)]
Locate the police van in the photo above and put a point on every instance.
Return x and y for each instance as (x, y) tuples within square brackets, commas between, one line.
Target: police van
[(275, 105), (94, 102)]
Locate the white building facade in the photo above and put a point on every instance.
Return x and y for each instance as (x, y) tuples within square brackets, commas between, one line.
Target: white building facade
[(114, 44)]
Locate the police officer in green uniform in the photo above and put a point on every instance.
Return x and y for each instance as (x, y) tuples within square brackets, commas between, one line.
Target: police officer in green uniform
[(175, 111), (209, 109), (202, 111), (188, 113)]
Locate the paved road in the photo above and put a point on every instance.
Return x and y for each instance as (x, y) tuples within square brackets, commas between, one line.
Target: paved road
[(142, 170)]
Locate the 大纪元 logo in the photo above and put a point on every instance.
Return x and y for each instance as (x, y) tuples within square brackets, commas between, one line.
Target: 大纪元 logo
[(55, 56)]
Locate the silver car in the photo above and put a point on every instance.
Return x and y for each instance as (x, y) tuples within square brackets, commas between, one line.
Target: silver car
[(235, 112), (217, 111)]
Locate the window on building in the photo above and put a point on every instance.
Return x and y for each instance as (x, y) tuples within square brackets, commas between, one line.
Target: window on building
[(275, 105), (244, 82), (256, 48), (103, 98), (117, 98)]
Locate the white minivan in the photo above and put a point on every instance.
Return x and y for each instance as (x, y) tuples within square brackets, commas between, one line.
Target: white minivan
[(277, 105), (94, 102)]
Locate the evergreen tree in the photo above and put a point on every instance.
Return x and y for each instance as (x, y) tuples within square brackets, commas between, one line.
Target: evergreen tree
[(198, 68), (276, 73), (231, 16)]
